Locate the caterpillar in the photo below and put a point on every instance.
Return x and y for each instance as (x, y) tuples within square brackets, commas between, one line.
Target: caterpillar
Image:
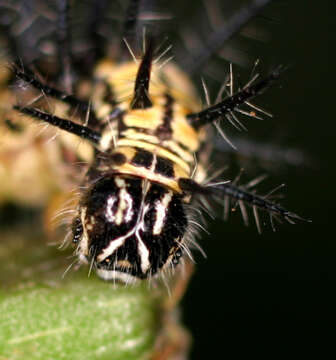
[(145, 182)]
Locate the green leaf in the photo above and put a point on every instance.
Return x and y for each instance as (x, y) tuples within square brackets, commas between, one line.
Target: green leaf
[(46, 317)]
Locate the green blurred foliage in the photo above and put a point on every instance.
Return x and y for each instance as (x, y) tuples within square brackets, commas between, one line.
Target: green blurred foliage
[(44, 316)]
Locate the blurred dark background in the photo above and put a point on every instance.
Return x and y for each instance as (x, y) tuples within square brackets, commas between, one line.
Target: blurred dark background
[(275, 288)]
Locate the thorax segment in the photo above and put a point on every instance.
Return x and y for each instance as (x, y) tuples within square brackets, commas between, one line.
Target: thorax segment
[(156, 143)]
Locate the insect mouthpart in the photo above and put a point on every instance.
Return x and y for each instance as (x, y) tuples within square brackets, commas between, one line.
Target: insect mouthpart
[(132, 228)]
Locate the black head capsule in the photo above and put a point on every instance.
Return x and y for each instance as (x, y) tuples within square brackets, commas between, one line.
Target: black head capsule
[(132, 228)]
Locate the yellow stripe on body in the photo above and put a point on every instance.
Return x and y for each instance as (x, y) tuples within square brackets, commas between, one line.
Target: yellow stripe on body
[(147, 119), (155, 150), (171, 145), (129, 169)]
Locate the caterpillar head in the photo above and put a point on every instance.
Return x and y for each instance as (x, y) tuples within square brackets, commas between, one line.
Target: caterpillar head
[(129, 228)]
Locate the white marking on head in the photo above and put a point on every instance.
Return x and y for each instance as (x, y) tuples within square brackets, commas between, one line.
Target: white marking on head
[(144, 254), (109, 212), (161, 211), (129, 212), (116, 275), (113, 246), (119, 182), (125, 203)]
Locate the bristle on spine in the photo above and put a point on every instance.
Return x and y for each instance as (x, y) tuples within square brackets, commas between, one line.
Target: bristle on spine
[(131, 23)]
